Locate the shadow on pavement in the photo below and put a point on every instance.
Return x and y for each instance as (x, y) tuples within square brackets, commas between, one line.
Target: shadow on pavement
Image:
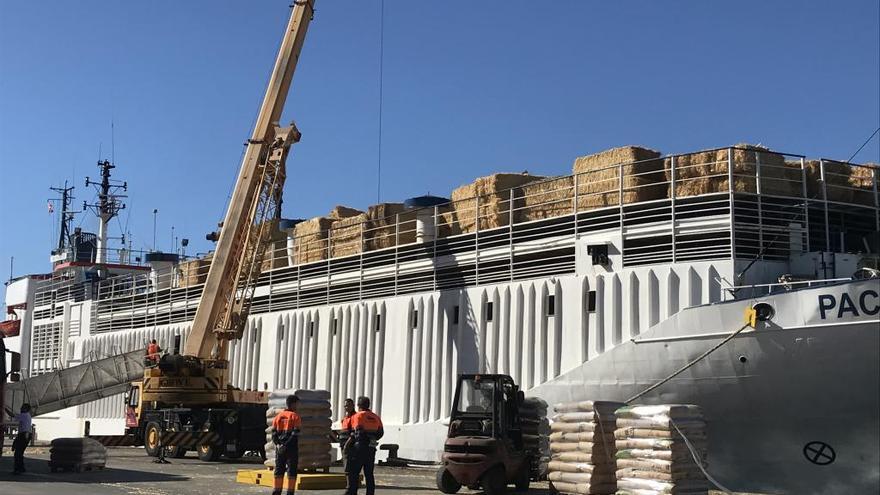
[(38, 471), (380, 486)]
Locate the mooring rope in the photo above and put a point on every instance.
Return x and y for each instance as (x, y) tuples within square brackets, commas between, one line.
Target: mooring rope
[(695, 361)]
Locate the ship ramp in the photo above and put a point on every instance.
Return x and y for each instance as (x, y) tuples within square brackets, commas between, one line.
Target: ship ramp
[(76, 385)]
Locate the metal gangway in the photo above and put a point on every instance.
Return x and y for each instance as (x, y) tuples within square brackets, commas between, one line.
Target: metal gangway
[(76, 385)]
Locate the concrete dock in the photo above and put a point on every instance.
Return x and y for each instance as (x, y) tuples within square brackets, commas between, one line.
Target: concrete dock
[(130, 471)]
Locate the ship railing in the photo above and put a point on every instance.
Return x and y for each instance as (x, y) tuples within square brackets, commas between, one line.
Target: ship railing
[(757, 290), (767, 204), (652, 184), (672, 178)]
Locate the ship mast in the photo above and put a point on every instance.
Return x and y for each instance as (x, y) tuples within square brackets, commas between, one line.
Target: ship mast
[(66, 216), (108, 205)]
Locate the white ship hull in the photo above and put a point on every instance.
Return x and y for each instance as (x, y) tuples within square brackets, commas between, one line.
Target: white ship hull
[(767, 393)]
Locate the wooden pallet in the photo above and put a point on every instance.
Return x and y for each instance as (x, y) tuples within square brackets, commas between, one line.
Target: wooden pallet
[(304, 481)]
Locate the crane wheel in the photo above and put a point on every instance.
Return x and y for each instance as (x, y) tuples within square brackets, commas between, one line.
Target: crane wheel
[(152, 435), (208, 453), (175, 452)]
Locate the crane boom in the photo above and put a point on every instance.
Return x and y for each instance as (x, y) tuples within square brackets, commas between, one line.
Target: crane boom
[(253, 209)]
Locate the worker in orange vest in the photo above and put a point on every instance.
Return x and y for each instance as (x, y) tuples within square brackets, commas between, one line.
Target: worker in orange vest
[(345, 433), (153, 351), (285, 435), (366, 430)]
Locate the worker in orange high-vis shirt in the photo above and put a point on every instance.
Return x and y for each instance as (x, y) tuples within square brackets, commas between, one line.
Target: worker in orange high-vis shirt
[(285, 435), (366, 430), (153, 351), (345, 433)]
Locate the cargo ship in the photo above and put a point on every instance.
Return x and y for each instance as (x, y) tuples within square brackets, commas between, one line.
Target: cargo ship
[(600, 284)]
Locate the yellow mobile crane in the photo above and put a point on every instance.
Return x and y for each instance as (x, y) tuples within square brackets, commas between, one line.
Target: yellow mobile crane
[(186, 401)]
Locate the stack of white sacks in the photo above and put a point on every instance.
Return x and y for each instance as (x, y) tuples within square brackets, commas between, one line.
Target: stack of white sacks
[(314, 439), (582, 448), (535, 430), (652, 456)]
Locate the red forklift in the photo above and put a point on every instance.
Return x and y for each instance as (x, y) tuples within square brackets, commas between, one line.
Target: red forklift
[(484, 447)]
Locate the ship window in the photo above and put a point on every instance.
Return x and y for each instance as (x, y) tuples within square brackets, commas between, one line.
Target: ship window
[(415, 319), (334, 324), (551, 305), (311, 329), (377, 324), (591, 301), (455, 312), (490, 306)]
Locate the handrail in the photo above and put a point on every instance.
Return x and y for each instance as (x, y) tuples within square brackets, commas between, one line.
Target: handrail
[(808, 283), (532, 201)]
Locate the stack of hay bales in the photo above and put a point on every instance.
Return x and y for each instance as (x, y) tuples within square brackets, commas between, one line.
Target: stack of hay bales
[(494, 200), (312, 235), (582, 448), (837, 180), (193, 272), (535, 430), (276, 252), (447, 222), (77, 454), (315, 451), (652, 457), (345, 236), (845, 183), (862, 180), (706, 172), (382, 230), (545, 199), (310, 242), (599, 177)]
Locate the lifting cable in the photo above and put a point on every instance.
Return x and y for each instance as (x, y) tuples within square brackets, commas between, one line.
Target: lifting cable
[(379, 138)]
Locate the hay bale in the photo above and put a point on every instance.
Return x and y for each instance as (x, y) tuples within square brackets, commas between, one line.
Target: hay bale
[(493, 192), (276, 255), (381, 229), (193, 272), (862, 180), (311, 240), (706, 172), (339, 212), (599, 177), (837, 180), (276, 251), (545, 199), (345, 235), (447, 222)]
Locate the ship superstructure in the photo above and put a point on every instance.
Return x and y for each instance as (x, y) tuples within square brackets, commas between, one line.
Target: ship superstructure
[(593, 285)]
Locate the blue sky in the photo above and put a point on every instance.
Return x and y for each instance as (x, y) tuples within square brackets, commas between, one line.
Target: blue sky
[(469, 89)]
